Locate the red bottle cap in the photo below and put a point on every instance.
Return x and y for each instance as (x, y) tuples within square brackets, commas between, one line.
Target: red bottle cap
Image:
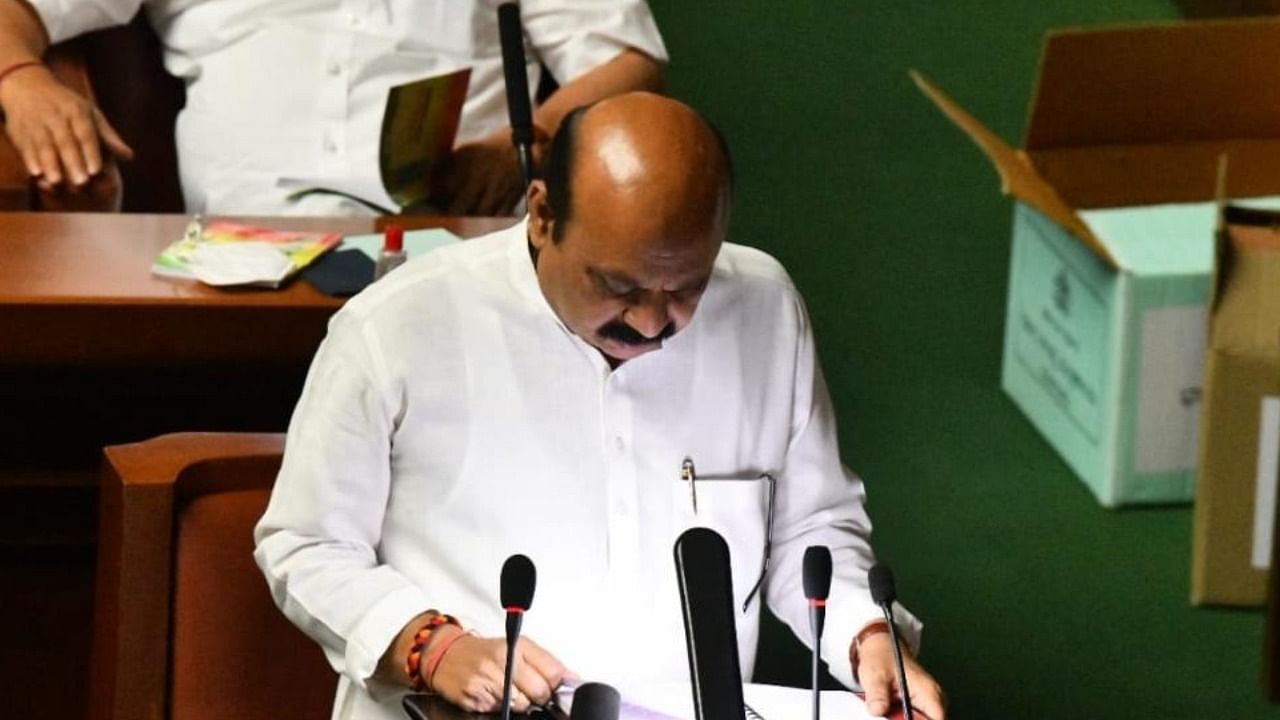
[(393, 239)]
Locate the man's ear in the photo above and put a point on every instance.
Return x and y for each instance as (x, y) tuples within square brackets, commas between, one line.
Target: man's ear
[(542, 222)]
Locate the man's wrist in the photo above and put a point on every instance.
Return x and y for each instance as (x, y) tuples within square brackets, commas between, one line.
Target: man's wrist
[(868, 631), (14, 67), (429, 627)]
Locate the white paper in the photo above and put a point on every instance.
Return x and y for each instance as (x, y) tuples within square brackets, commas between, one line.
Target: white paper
[(1169, 388), (1264, 503), (239, 263), (784, 703), (416, 242), (674, 701)]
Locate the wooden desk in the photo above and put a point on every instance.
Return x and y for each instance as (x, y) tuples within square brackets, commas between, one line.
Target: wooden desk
[(95, 351), (77, 288)]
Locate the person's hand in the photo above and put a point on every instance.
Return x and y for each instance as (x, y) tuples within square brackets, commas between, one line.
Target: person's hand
[(877, 672), (482, 178), (55, 130), (470, 674)]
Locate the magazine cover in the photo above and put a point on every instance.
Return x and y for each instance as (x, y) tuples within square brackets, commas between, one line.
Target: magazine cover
[(225, 253)]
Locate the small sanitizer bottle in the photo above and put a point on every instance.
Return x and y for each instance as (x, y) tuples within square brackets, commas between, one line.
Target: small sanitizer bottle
[(393, 254)]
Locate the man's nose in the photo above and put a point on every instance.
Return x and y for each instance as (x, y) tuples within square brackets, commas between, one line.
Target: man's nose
[(650, 316)]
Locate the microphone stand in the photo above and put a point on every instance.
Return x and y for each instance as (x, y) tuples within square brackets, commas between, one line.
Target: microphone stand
[(817, 617)]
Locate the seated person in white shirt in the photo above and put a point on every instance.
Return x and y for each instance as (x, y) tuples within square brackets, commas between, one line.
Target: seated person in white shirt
[(288, 96), (536, 391)]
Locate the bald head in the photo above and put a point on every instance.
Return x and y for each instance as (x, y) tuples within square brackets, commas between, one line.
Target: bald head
[(629, 221), (642, 152)]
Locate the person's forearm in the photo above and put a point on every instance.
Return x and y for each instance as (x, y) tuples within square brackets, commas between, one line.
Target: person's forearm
[(22, 35), (629, 70)]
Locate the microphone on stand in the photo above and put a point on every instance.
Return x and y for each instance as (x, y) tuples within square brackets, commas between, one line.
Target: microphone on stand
[(515, 72), (706, 599), (817, 585), (880, 580), (595, 701), (516, 593)]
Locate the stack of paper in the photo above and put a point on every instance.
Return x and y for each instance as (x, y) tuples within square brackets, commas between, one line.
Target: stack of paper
[(674, 701), (224, 253)]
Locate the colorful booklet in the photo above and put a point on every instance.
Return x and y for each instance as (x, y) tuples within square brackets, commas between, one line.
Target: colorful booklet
[(225, 253), (418, 129)]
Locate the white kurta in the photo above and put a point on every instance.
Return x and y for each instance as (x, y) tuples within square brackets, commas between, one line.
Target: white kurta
[(284, 95), (450, 420)]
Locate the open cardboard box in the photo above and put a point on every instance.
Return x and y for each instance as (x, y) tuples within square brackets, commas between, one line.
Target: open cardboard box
[(1105, 334), (1240, 449)]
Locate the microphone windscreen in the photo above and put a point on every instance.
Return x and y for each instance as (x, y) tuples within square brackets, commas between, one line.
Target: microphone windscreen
[(595, 701), (880, 579), (706, 597), (817, 572), (511, 36), (517, 583)]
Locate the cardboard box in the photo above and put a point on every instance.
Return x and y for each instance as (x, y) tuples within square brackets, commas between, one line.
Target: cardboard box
[(1104, 332), (1232, 539)]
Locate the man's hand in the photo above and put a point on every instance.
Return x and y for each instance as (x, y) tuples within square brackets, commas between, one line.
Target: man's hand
[(56, 131), (470, 673), (877, 672), (482, 178)]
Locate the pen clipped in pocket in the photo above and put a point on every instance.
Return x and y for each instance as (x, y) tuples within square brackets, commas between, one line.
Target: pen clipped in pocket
[(739, 506)]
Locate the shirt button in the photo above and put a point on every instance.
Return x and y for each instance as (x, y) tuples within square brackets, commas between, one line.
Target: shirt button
[(330, 146), (619, 444), (335, 69), (353, 20)]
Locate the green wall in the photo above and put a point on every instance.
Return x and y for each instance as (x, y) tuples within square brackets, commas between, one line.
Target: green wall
[(1038, 603)]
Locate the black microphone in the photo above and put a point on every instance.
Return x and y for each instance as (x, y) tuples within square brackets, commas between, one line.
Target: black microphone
[(516, 593), (711, 638), (595, 701), (880, 579), (817, 585), (513, 67)]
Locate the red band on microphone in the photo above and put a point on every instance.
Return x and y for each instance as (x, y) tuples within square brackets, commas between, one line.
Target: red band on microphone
[(514, 609), (818, 602)]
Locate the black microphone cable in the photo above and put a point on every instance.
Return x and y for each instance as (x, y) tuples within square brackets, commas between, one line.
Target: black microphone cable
[(880, 580)]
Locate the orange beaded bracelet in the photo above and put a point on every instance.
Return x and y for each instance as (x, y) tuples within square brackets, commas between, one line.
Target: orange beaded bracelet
[(413, 664)]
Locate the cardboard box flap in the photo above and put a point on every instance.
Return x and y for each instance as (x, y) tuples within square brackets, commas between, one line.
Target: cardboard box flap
[(1246, 316), (1018, 177), (1165, 84), (1127, 175)]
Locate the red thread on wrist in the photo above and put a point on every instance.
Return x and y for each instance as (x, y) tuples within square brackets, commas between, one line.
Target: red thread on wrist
[(413, 663), (879, 627), (437, 654), (16, 67)]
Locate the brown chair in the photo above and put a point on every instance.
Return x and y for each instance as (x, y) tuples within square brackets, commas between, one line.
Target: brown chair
[(184, 625), (121, 70)]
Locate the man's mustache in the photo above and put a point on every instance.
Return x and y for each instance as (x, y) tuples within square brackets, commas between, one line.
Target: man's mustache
[(627, 335)]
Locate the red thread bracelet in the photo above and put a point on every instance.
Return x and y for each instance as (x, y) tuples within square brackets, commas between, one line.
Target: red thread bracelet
[(16, 67), (437, 654), (877, 627), (413, 663)]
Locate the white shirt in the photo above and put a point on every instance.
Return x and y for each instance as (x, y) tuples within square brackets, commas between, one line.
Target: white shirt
[(450, 420), (284, 95)]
